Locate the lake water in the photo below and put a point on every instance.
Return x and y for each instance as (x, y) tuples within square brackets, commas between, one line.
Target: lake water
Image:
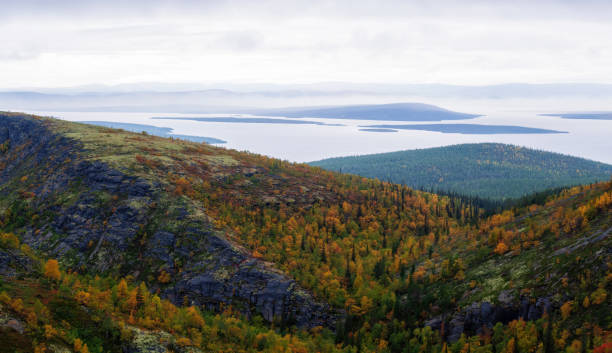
[(590, 139)]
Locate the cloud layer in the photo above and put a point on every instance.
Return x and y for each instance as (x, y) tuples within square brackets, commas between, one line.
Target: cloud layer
[(64, 43)]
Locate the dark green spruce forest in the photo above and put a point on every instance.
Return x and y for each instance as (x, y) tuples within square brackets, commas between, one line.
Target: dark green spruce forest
[(486, 170)]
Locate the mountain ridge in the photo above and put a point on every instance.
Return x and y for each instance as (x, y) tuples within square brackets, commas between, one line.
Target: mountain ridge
[(124, 225)]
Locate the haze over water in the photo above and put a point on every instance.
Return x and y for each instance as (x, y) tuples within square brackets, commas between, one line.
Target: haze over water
[(589, 139)]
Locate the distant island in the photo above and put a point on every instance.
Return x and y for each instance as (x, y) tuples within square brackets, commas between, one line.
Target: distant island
[(468, 129), (154, 130), (247, 120), (583, 116), (378, 112), (488, 170), (378, 130)]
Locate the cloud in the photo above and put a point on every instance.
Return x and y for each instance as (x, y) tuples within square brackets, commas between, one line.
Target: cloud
[(17, 55), (467, 42), (238, 41), (520, 9)]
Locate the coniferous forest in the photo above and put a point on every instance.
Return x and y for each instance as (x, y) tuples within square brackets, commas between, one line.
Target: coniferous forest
[(486, 170)]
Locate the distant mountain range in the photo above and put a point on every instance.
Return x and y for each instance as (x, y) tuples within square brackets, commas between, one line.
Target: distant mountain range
[(505, 90), (488, 170), (236, 98)]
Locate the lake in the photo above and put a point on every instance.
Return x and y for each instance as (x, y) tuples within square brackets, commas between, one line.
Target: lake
[(586, 138)]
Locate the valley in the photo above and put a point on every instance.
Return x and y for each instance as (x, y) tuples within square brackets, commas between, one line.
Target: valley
[(166, 244), (319, 176)]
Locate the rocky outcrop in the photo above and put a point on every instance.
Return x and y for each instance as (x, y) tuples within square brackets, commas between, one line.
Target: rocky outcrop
[(12, 263), (144, 341), (230, 276), (105, 220), (9, 322), (101, 224), (585, 241), (474, 318)]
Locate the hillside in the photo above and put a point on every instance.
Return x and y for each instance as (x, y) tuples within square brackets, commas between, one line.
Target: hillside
[(154, 130), (488, 170), (172, 245)]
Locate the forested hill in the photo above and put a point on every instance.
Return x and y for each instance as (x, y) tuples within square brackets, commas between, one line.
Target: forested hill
[(488, 170), (114, 241)]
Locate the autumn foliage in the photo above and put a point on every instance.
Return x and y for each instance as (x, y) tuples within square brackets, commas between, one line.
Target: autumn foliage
[(52, 270), (388, 258)]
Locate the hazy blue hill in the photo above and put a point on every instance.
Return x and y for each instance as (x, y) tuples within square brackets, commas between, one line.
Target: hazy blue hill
[(586, 116), (489, 170), (388, 112), (467, 129), (241, 120)]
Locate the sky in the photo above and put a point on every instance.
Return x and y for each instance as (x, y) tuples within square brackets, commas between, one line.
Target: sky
[(65, 43)]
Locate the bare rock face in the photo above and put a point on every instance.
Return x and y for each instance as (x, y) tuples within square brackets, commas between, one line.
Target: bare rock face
[(472, 319), (106, 221), (232, 277), (144, 341), (10, 323), (12, 263), (86, 231)]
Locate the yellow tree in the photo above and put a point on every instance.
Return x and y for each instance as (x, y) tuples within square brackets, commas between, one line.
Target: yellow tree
[(122, 289), (52, 270), (566, 309)]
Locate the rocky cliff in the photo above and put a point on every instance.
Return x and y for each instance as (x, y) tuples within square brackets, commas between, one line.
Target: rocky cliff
[(477, 317), (99, 219)]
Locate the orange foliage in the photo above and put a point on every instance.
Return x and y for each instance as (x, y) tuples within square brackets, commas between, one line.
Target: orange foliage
[(566, 309), (501, 248), (52, 270)]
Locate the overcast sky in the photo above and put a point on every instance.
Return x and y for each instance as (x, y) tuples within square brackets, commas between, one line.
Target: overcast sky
[(67, 43)]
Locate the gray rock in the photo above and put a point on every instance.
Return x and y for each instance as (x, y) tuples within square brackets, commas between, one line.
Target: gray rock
[(472, 319), (232, 277), (12, 263), (506, 297), (15, 325), (456, 328)]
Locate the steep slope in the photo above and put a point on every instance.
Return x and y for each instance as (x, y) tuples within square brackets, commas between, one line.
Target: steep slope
[(487, 170), (154, 130), (44, 309), (260, 240), (93, 215)]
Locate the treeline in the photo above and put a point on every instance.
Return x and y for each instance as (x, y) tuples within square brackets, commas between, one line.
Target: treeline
[(488, 207)]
